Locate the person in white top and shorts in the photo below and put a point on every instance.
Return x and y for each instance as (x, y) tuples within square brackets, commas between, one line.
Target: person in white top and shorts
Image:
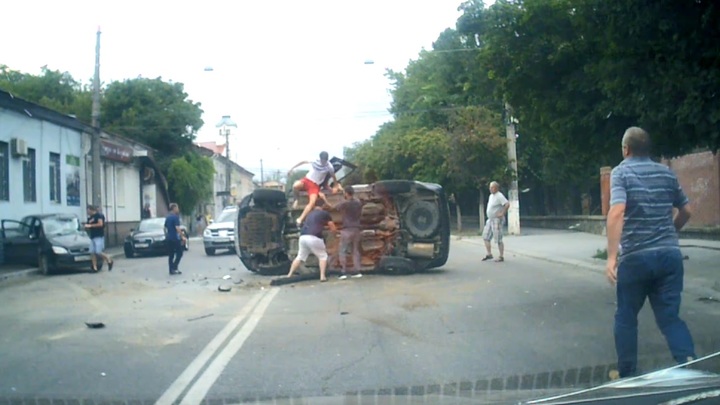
[(497, 207)]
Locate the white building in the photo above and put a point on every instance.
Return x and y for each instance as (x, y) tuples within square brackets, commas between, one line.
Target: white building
[(46, 167), (42, 169), (241, 183)]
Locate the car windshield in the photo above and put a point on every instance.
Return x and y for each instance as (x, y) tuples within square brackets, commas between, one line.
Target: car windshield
[(61, 225), (227, 216), (155, 224)]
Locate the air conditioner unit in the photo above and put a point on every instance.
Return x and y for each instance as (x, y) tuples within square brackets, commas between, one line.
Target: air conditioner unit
[(19, 147)]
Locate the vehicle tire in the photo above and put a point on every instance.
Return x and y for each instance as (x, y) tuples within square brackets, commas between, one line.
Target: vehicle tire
[(393, 186), (266, 195), (44, 264), (210, 251), (422, 219), (129, 252)]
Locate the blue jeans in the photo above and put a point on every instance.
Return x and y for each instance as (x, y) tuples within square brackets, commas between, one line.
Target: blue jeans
[(175, 253), (657, 275)]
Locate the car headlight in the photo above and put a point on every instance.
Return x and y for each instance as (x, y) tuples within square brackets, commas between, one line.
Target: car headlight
[(59, 250), (207, 233)]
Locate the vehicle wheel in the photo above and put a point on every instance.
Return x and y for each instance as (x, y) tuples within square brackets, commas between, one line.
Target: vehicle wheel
[(209, 251), (422, 219), (269, 196), (44, 264), (129, 252), (393, 186)]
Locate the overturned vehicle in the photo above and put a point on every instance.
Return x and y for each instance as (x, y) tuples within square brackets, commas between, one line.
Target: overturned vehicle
[(405, 228)]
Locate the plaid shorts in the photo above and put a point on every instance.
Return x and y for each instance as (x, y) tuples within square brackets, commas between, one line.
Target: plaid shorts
[(493, 228)]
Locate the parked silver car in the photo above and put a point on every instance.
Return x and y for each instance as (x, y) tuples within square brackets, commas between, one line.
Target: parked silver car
[(221, 233)]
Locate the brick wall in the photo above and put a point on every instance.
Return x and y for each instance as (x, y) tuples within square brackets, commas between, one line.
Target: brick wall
[(699, 176)]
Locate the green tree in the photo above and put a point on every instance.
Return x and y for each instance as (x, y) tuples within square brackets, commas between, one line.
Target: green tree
[(156, 113), (190, 179)]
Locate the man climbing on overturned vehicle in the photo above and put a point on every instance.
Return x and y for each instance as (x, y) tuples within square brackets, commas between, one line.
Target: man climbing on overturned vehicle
[(319, 170)]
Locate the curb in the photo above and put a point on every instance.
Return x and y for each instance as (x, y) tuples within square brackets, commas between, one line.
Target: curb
[(12, 275), (568, 262)]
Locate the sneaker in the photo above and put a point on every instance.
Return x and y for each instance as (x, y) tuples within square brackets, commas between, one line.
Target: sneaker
[(486, 258), (343, 277), (356, 275)]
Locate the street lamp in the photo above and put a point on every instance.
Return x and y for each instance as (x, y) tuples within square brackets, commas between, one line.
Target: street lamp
[(224, 130)]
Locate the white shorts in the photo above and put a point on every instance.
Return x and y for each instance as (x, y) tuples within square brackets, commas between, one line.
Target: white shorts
[(311, 244)]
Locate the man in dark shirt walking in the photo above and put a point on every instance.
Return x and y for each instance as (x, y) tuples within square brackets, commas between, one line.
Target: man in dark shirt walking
[(311, 239), (174, 238), (351, 234), (641, 226), (95, 226)]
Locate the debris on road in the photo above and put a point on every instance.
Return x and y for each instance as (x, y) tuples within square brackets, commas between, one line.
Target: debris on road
[(227, 277), (344, 313), (224, 288), (232, 269), (238, 281), (200, 317), (708, 299), (95, 325), (103, 374)]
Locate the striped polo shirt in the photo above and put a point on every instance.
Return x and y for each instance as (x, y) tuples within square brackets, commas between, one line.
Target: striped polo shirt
[(650, 191)]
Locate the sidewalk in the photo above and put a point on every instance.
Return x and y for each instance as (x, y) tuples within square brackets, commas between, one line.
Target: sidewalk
[(578, 248), (14, 271), (11, 271)]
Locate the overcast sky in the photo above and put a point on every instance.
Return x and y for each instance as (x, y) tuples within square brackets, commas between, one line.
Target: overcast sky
[(291, 74)]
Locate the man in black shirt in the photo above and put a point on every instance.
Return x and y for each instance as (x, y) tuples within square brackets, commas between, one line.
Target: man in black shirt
[(311, 239), (96, 229), (175, 239)]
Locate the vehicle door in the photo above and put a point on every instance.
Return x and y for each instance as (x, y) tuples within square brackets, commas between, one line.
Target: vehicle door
[(21, 241)]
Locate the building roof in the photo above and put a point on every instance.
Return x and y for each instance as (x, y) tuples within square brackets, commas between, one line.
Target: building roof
[(219, 149), (32, 110), (211, 153)]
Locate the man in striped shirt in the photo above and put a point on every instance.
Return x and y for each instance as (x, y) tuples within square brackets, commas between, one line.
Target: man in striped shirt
[(641, 225)]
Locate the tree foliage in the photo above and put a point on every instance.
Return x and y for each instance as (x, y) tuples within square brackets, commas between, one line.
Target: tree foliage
[(577, 74), (190, 180)]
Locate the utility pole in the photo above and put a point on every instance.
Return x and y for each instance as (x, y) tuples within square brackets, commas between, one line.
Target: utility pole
[(262, 176), (513, 194), (224, 126), (95, 144)]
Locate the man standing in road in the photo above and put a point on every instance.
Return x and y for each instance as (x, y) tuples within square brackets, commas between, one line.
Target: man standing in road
[(311, 183), (640, 223), (351, 234), (497, 207), (96, 229), (311, 240), (174, 238)]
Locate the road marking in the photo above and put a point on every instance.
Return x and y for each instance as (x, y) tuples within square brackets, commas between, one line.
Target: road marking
[(181, 383), (203, 384)]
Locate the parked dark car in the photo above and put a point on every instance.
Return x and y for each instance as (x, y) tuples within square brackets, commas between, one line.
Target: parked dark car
[(50, 241), (149, 238), (405, 227)]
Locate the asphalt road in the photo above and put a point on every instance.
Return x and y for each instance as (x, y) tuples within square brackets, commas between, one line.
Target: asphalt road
[(467, 327)]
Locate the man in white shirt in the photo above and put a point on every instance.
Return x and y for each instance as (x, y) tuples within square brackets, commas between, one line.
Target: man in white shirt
[(497, 207), (319, 171)]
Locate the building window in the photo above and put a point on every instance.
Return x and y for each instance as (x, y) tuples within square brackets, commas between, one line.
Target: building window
[(29, 186), (55, 178), (4, 172), (120, 186)]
